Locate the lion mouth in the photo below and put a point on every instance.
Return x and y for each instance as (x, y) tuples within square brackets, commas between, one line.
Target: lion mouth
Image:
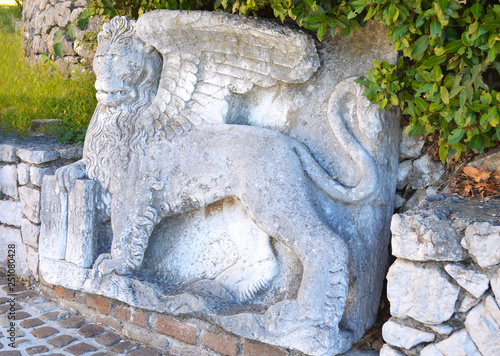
[(111, 97)]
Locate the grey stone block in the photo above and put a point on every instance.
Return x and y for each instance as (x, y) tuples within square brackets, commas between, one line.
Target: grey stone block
[(30, 203), (8, 181), (8, 153), (10, 213), (36, 155)]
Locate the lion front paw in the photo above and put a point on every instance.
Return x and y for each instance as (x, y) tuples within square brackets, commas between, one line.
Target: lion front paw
[(106, 264)]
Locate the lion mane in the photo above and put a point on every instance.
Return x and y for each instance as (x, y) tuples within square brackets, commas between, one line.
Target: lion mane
[(113, 132)]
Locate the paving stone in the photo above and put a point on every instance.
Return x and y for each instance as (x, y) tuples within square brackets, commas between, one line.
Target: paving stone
[(37, 350), (50, 315), (80, 349), (45, 307), (22, 315), (90, 330), (62, 340), (10, 353), (146, 352), (72, 322), (5, 308), (31, 323), (108, 339), (124, 347), (27, 294), (3, 300), (44, 331), (20, 342), (18, 288)]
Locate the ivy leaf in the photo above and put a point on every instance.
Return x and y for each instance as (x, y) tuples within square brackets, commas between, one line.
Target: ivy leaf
[(70, 31), (58, 34), (445, 97), (420, 45), (435, 28), (58, 49)]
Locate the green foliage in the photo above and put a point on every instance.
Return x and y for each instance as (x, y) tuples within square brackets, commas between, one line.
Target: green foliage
[(447, 78), (39, 92)]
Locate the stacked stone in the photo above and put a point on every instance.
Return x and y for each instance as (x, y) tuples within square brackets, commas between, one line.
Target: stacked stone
[(444, 288), (41, 20), (418, 174), (22, 168)]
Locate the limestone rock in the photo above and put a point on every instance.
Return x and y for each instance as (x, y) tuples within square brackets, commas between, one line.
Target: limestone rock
[(23, 173), (491, 162), (458, 344), (467, 303), (389, 351), (10, 213), (426, 172), (483, 325), (443, 329), (425, 236), (30, 233), (405, 169), (30, 203), (37, 173), (37, 156), (410, 147), (8, 153), (421, 292), (482, 240), (495, 284), (8, 181), (32, 261), (10, 240), (71, 153), (473, 281), (403, 336)]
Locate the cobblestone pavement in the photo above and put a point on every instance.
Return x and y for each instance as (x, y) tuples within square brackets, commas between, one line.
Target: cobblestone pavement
[(43, 327)]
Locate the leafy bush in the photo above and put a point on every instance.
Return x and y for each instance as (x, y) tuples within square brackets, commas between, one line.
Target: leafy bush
[(446, 80), (39, 92)]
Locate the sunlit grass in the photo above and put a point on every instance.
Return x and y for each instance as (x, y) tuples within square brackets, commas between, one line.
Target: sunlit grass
[(30, 92)]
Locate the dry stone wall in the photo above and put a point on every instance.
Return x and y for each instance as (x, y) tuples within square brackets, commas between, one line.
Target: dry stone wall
[(41, 20), (444, 288)]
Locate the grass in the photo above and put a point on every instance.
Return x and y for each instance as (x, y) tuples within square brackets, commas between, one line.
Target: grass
[(43, 91)]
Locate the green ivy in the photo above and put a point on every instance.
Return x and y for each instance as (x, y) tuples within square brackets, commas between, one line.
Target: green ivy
[(446, 80)]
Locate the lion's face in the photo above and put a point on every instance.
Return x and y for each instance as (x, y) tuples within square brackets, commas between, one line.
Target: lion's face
[(120, 70)]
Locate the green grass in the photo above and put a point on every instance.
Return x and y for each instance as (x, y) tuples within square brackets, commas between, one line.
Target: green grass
[(42, 91)]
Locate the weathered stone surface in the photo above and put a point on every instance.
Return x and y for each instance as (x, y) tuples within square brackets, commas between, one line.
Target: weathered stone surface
[(458, 344), (426, 172), (32, 261), (37, 174), (483, 325), (10, 213), (425, 235), (8, 153), (405, 169), (482, 240), (36, 155), (288, 210), (467, 303), (30, 233), (473, 281), (23, 173), (490, 162), (495, 283), (389, 351), (399, 335), (410, 147), (72, 153), (421, 292), (10, 240), (8, 181), (30, 203), (443, 329)]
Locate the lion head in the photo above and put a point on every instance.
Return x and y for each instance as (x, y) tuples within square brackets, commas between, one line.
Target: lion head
[(127, 75)]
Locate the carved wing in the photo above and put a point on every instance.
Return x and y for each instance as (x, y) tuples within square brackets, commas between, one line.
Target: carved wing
[(208, 56)]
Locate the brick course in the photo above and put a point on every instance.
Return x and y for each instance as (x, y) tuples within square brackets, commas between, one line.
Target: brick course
[(64, 293), (179, 330), (223, 344), (259, 349), (99, 303)]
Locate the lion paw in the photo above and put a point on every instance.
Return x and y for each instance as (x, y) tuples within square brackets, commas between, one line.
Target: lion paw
[(106, 264), (246, 281)]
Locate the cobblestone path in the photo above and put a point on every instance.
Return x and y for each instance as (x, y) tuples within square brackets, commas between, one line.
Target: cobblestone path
[(43, 327)]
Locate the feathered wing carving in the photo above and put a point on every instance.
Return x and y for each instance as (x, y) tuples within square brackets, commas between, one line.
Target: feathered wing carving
[(207, 56)]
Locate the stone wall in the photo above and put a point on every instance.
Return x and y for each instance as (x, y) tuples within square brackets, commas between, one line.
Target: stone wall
[(22, 167), (444, 288), (41, 20)]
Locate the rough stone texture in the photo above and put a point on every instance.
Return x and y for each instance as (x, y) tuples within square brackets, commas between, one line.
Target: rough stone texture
[(425, 172), (389, 351), (30, 203), (404, 336), (458, 344), (8, 181), (254, 240), (23, 173), (10, 236), (483, 325), (37, 155), (8, 153), (490, 162), (421, 292), (37, 174), (10, 213), (482, 240), (71, 153), (405, 169), (30, 233), (410, 147), (475, 282), (495, 283)]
